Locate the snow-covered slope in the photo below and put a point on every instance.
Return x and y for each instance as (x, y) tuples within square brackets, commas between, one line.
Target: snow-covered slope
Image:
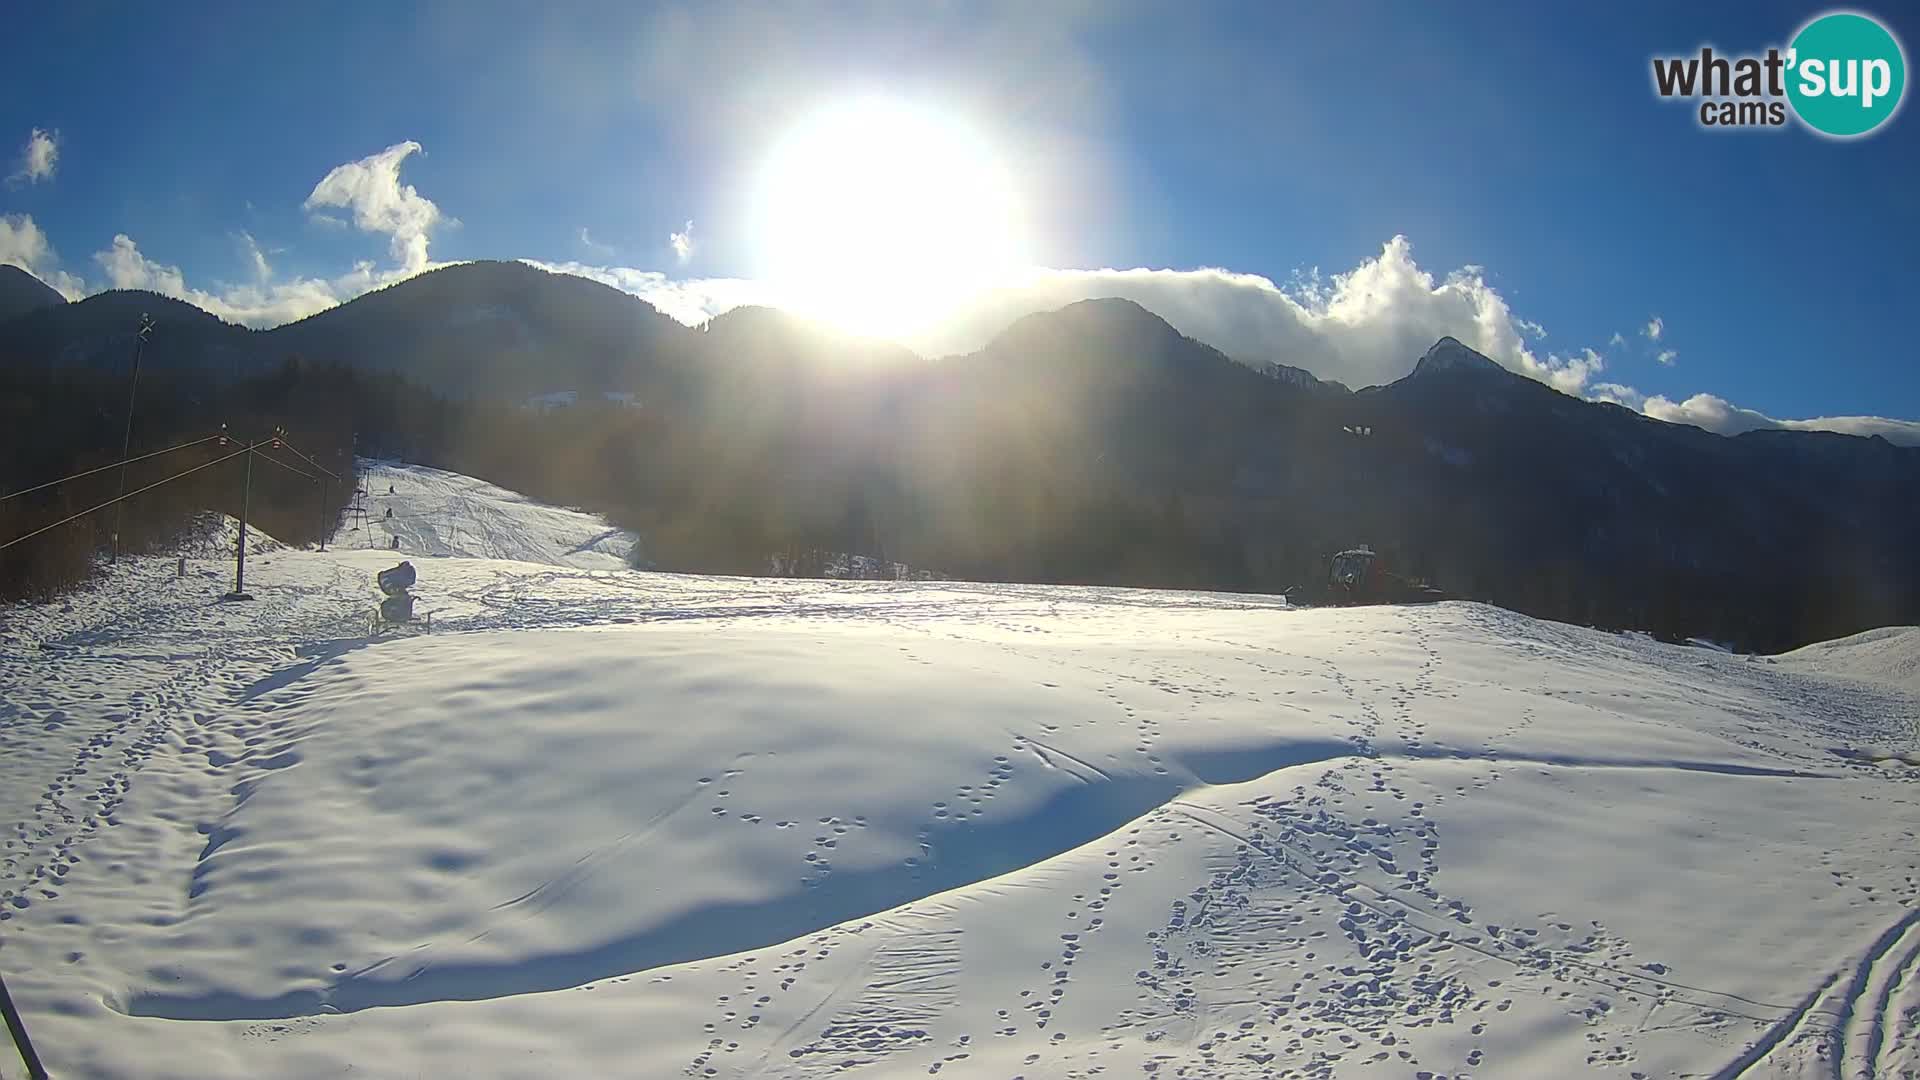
[(434, 512), (604, 823), (1889, 655)]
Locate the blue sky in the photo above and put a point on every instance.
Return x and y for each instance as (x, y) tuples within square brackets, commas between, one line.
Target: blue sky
[(1264, 139)]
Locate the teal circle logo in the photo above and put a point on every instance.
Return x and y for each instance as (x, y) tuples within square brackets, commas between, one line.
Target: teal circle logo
[(1845, 74)]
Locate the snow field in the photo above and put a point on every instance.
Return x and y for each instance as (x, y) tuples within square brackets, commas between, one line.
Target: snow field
[(610, 823)]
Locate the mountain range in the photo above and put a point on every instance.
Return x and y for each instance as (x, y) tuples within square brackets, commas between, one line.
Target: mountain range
[(1098, 443)]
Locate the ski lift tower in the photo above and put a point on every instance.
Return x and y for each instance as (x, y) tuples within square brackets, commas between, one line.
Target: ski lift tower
[(357, 514)]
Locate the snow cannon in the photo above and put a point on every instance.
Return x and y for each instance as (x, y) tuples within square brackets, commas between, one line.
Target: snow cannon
[(1361, 576), (397, 580), (396, 611), (397, 608)]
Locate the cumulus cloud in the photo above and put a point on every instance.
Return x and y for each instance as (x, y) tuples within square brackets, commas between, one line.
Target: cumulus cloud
[(1708, 411), (1617, 341), (369, 188), (23, 244), (1666, 357), (1362, 327), (1617, 394), (1654, 328), (1717, 414), (38, 158), (260, 304), (380, 203), (682, 242)]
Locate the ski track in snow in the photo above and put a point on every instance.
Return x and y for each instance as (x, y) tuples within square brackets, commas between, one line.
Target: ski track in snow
[(603, 821)]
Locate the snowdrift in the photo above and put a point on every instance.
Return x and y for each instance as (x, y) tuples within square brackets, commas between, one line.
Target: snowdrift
[(218, 533)]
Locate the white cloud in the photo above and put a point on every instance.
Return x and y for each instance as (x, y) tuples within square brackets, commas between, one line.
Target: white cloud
[(1898, 432), (257, 305), (371, 188), (38, 158), (1666, 357), (1717, 414), (256, 259), (682, 242), (1708, 411), (1616, 341), (691, 301), (594, 247), (261, 303), (1654, 328), (1617, 394), (1362, 327), (23, 244)]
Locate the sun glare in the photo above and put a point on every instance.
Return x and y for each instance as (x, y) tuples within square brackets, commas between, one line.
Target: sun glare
[(876, 215)]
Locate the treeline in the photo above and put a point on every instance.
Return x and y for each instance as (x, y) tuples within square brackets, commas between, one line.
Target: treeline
[(801, 476), (57, 423)]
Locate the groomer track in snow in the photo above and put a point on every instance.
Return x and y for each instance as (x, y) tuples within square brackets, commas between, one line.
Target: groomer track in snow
[(604, 822)]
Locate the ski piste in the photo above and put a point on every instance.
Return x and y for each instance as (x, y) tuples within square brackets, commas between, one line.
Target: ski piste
[(600, 819)]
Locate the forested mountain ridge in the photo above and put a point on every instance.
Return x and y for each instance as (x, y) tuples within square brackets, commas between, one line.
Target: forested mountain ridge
[(1095, 443)]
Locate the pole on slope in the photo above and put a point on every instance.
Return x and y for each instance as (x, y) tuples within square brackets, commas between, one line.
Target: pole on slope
[(240, 549), (326, 488), (18, 1029), (126, 440)]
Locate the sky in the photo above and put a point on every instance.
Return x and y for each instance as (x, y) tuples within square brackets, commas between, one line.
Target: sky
[(1331, 186)]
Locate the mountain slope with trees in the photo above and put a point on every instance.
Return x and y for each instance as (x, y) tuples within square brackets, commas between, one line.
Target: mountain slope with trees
[(1094, 444)]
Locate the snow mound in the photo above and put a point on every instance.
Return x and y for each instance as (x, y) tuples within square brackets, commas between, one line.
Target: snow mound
[(1889, 656), (534, 784), (218, 533), (435, 512)]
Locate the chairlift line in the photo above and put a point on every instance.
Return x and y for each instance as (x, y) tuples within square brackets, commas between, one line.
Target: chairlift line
[(128, 495), (104, 468), (297, 472), (282, 442)]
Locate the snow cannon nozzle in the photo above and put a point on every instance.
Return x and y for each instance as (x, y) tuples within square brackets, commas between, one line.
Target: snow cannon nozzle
[(397, 580)]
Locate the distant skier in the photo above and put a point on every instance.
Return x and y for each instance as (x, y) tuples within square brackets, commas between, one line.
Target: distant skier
[(389, 491), (389, 513)]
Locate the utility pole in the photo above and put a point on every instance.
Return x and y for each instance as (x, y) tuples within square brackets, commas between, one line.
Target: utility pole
[(126, 441), (240, 550)]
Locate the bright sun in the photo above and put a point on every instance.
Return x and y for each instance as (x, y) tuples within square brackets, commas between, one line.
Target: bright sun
[(876, 216)]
